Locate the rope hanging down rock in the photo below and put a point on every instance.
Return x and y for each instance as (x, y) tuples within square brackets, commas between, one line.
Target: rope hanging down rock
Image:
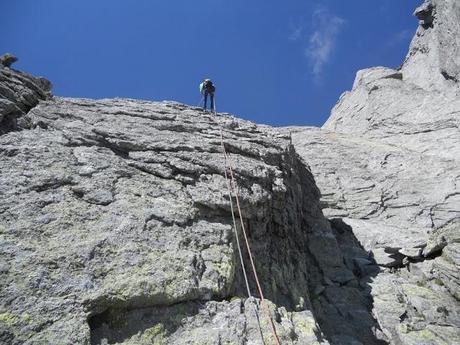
[(233, 218), (233, 187)]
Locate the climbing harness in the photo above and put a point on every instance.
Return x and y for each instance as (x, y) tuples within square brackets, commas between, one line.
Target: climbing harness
[(233, 187)]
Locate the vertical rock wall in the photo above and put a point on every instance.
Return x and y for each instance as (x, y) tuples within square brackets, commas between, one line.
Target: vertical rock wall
[(116, 226)]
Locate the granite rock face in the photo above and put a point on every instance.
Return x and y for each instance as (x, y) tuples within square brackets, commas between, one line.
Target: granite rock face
[(384, 106), (403, 208), (116, 228), (417, 105), (19, 92), (116, 223), (387, 164), (433, 62)]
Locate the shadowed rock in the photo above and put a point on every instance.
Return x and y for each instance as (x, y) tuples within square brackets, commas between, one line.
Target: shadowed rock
[(6, 60), (387, 164), (19, 92)]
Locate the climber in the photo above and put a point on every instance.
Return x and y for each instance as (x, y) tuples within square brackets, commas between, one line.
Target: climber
[(207, 88)]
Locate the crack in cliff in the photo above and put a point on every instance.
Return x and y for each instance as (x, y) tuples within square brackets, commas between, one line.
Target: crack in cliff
[(447, 76), (344, 310), (115, 325)]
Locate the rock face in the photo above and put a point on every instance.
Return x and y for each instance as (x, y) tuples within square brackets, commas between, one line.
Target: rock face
[(433, 62), (418, 104), (116, 223), (387, 164), (116, 228), (19, 92), (403, 208)]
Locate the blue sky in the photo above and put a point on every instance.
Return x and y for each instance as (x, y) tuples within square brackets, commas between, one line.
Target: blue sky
[(273, 62)]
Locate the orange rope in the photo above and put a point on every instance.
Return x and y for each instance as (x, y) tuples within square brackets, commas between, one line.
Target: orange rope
[(234, 220), (246, 240)]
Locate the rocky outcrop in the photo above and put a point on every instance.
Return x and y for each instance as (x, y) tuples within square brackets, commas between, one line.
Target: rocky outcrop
[(403, 208), (387, 165), (116, 227), (418, 105), (393, 196), (19, 92), (6, 60), (433, 62), (383, 105)]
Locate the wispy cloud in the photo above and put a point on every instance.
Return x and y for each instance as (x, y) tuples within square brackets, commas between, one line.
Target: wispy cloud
[(323, 40), (296, 32), (401, 37)]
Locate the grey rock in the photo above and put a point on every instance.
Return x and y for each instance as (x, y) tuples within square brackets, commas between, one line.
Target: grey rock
[(234, 322), (445, 243), (434, 246), (433, 61), (425, 14), (387, 165), (6, 60), (417, 106), (410, 312), (116, 227), (422, 121), (19, 92), (116, 224), (389, 195)]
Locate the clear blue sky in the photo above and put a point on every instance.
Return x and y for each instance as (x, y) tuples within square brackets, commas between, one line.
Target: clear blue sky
[(273, 62)]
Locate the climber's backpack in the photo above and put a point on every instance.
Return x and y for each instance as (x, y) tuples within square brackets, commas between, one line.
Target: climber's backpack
[(208, 86)]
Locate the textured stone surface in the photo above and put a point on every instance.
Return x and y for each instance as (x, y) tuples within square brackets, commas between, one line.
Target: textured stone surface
[(418, 106), (115, 222), (387, 164), (391, 195), (433, 61), (399, 113), (6, 60), (403, 208), (233, 322), (115, 210), (19, 92)]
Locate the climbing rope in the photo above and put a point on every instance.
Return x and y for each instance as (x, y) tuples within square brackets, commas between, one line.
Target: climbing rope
[(234, 222), (233, 186), (201, 101)]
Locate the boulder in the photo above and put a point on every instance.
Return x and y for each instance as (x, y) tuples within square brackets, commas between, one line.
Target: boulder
[(6, 60)]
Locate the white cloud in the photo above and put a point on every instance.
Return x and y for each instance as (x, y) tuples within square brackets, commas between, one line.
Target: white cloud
[(296, 33), (322, 41)]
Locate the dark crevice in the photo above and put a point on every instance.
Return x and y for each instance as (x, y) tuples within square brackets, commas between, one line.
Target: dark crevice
[(402, 261), (336, 305), (426, 14), (152, 323), (53, 185), (117, 150), (9, 122), (117, 325), (447, 76)]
